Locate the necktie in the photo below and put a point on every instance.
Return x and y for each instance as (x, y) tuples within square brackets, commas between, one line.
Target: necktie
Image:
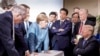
[(27, 26), (73, 25), (80, 29), (50, 24), (13, 31), (84, 41), (61, 22)]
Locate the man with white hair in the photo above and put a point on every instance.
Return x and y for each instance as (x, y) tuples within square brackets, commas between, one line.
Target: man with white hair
[(20, 32), (87, 45), (83, 14), (7, 20)]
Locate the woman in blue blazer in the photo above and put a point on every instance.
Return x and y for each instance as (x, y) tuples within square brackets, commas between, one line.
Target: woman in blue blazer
[(37, 35)]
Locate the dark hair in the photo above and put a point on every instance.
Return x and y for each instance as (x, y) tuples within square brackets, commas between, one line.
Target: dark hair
[(76, 8), (8, 6), (26, 6), (75, 13), (64, 9), (53, 13)]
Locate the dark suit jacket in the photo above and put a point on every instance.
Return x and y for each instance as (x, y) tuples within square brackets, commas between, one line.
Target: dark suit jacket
[(92, 18), (6, 41), (89, 22), (50, 37), (90, 48), (22, 26), (20, 43), (62, 39), (75, 32), (76, 28)]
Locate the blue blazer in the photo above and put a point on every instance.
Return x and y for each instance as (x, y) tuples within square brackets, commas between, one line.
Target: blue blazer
[(62, 39), (36, 37)]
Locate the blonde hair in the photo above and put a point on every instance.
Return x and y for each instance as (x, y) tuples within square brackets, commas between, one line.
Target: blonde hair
[(41, 17)]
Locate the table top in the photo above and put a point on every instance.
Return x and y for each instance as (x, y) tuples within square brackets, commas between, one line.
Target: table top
[(50, 53)]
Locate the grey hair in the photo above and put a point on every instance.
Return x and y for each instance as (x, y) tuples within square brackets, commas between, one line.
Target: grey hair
[(18, 9)]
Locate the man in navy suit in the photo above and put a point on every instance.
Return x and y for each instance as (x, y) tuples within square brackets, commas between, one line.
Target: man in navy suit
[(20, 31), (61, 30), (26, 23), (7, 19), (88, 44), (24, 28), (52, 19)]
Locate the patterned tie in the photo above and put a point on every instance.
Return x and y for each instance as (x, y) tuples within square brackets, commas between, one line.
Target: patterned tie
[(80, 29)]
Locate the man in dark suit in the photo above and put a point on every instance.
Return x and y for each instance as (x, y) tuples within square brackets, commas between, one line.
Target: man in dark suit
[(87, 45), (25, 25), (20, 43), (20, 31), (83, 14), (24, 28), (52, 19), (75, 23), (7, 19), (61, 30)]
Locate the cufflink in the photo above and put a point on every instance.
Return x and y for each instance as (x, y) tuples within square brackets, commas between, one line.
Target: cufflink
[(53, 28), (79, 55)]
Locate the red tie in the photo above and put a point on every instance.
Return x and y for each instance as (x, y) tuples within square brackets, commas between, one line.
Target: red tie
[(80, 29)]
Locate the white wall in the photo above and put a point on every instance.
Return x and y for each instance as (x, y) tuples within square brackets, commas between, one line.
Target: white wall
[(38, 6)]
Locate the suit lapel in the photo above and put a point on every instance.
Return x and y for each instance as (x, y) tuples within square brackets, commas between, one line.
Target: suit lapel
[(58, 24), (81, 43), (63, 24), (87, 42), (23, 25)]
